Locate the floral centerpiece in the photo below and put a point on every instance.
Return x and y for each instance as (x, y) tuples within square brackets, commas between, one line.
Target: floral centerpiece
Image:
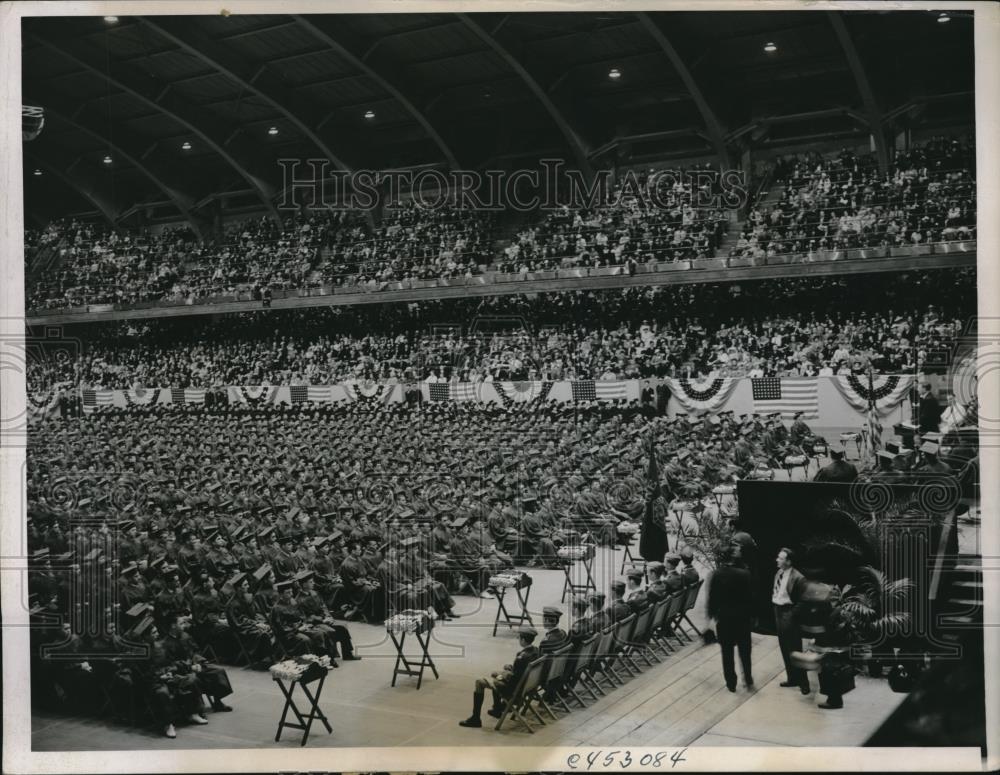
[(762, 471), (575, 552), (303, 669), (510, 579), (628, 528), (410, 621)]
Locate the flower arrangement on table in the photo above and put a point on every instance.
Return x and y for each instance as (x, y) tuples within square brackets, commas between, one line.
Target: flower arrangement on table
[(628, 528), (724, 489), (820, 448), (410, 621), (575, 552), (796, 460), (307, 667), (513, 579), (762, 471)]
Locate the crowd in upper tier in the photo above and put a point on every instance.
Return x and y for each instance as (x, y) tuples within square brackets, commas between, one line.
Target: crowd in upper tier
[(843, 201), (645, 217), (821, 326)]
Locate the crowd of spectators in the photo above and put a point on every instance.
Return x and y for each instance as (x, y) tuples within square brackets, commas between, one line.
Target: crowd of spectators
[(820, 326), (843, 201), (646, 216), (98, 265)]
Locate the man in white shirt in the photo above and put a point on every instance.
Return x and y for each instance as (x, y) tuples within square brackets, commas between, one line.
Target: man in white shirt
[(785, 593)]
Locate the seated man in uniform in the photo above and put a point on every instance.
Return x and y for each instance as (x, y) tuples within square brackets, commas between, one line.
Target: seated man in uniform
[(503, 683), (839, 470), (656, 589), (555, 638), (689, 573), (636, 597), (673, 580)]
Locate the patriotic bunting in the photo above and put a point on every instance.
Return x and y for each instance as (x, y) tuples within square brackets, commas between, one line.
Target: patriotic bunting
[(522, 392), (702, 395), (887, 391)]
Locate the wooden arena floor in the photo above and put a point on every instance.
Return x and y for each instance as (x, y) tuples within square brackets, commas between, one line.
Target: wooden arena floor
[(680, 702)]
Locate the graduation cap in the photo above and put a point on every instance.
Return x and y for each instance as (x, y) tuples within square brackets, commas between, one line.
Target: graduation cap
[(130, 569), (286, 538), (266, 533), (236, 580), (304, 575), (460, 522), (408, 542), (140, 628), (932, 436), (154, 564), (138, 610), (929, 448), (293, 512), (40, 555), (214, 487), (884, 455), (281, 586), (335, 536), (261, 572), (93, 555), (84, 502)]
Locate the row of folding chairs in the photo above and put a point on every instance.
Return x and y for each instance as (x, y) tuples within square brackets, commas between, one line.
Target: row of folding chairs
[(576, 674)]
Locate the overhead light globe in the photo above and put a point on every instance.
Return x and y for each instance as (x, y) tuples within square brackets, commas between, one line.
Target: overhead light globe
[(37, 173), (943, 18), (770, 48), (107, 159), (614, 73), (111, 19), (186, 146), (273, 131), (369, 114)]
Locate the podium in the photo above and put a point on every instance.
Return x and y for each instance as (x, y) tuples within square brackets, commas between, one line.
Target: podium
[(521, 584), (418, 624), (314, 672)]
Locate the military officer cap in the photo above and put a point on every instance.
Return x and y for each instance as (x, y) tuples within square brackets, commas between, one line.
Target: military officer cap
[(635, 575), (596, 597), (551, 612), (673, 560), (656, 567), (530, 633), (579, 603), (618, 585)]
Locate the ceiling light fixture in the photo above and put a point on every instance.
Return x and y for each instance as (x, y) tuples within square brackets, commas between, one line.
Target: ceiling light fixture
[(273, 131), (614, 73), (186, 146), (111, 19), (770, 48), (37, 173), (943, 18), (369, 114), (107, 159)]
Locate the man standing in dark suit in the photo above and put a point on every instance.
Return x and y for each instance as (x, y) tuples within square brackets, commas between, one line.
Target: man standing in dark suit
[(785, 593), (839, 470), (929, 411), (503, 683), (730, 605)]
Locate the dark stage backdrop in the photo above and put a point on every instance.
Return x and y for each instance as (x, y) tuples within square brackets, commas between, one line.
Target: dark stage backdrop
[(829, 544)]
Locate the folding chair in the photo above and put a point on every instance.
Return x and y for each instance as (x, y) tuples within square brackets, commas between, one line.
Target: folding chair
[(519, 705), (690, 600), (603, 664), (637, 644), (657, 637), (674, 611), (580, 675), (623, 634), (555, 678)]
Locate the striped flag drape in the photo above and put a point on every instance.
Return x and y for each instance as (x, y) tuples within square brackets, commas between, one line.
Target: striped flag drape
[(788, 396), (708, 395), (600, 390)]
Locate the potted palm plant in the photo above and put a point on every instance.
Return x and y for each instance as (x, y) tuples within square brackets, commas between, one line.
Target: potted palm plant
[(877, 609)]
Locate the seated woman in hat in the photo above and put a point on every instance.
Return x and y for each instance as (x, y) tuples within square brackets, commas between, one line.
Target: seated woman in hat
[(503, 683)]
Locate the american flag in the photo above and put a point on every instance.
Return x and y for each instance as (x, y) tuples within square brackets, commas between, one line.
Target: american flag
[(603, 390), (95, 398), (872, 422), (464, 391), (298, 393), (187, 395), (787, 396), (438, 391)]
